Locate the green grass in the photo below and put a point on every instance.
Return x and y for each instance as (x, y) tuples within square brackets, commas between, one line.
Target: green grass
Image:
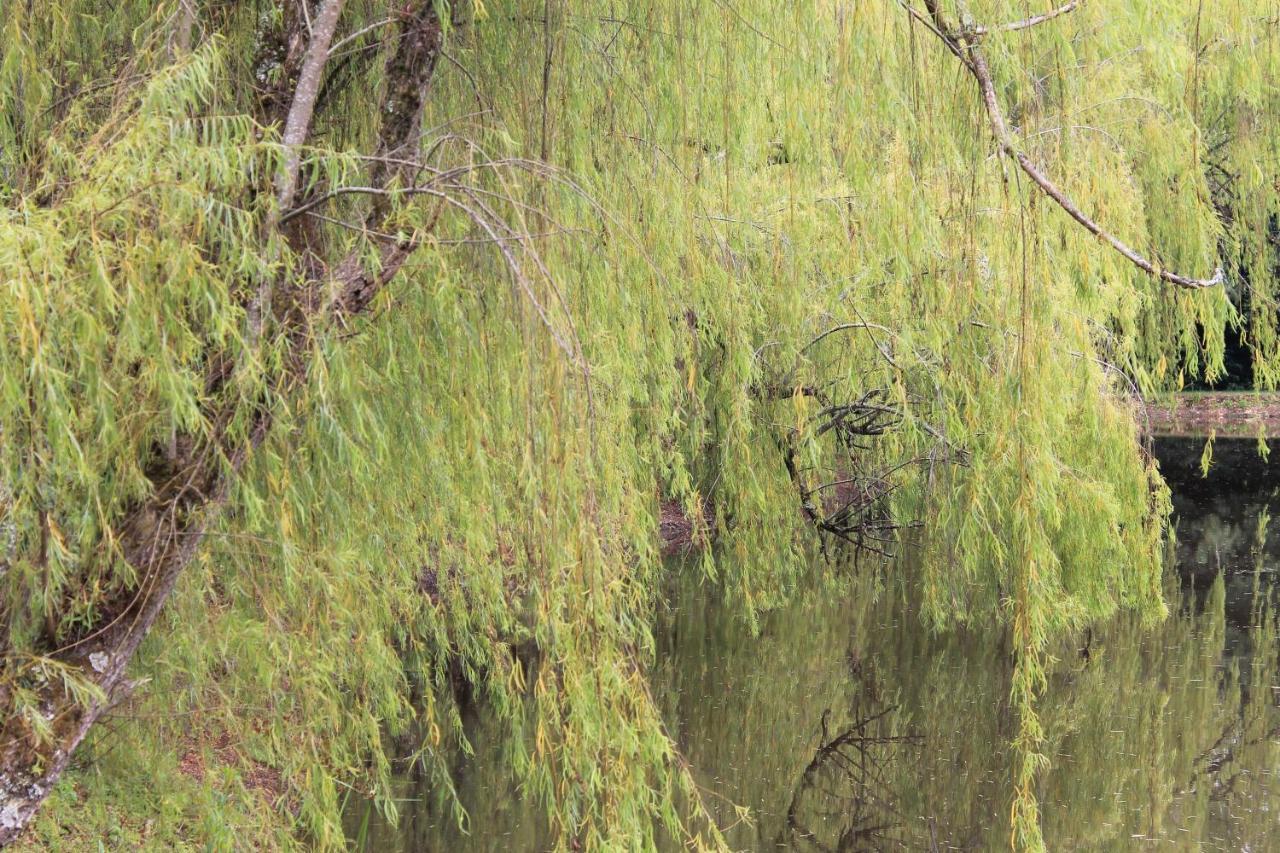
[(1232, 398), (127, 792)]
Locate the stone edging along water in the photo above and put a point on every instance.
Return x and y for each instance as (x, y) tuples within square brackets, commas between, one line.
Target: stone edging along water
[(1225, 414)]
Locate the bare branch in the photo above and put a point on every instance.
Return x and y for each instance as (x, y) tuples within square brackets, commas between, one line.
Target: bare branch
[(343, 42), (380, 192), (1027, 23), (845, 327)]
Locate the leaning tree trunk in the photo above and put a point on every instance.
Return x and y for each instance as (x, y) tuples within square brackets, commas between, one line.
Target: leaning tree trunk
[(160, 536)]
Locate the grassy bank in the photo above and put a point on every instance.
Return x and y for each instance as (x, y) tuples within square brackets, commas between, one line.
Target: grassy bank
[(1236, 414)]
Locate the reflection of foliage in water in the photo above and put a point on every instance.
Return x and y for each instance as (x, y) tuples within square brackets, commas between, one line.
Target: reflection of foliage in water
[(1217, 515), (499, 818), (1160, 732), (1151, 732)]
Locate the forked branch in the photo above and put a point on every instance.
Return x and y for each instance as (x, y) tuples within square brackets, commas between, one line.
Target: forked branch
[(965, 43)]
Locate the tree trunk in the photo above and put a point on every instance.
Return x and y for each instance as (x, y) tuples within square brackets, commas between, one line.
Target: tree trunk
[(160, 537)]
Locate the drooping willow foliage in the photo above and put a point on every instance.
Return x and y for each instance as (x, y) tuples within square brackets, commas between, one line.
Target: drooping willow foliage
[(658, 250)]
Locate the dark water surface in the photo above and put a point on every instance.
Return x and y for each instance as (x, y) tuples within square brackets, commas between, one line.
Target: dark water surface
[(842, 725)]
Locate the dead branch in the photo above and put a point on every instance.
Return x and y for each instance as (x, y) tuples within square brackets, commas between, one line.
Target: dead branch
[(343, 42), (845, 327)]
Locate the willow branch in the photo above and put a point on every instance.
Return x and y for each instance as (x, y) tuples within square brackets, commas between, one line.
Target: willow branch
[(1027, 23), (160, 535), (341, 43), (937, 26), (409, 70), (983, 75), (963, 43)]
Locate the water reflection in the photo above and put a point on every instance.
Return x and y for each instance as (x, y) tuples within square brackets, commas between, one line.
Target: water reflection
[(891, 740), (843, 726), (1223, 518)]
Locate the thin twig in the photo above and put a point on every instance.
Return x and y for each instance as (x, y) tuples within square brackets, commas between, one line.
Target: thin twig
[(1027, 23), (343, 42), (845, 327)]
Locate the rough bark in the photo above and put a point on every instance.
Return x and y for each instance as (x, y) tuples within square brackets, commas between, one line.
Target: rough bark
[(184, 22), (297, 127), (160, 536)]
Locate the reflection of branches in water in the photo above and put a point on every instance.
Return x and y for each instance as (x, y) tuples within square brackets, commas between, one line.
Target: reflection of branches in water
[(1254, 722), (1209, 766), (849, 770)]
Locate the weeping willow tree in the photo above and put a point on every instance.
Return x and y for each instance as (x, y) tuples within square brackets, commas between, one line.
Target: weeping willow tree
[(349, 352)]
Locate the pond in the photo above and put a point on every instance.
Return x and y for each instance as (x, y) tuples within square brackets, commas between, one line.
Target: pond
[(842, 725)]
